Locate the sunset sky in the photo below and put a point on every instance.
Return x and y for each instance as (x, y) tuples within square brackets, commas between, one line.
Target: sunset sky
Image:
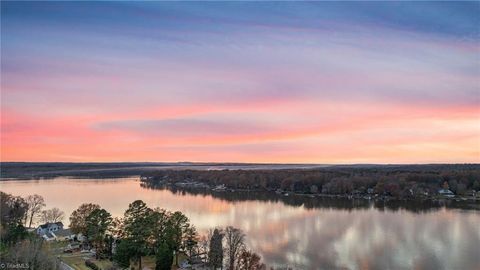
[(289, 82)]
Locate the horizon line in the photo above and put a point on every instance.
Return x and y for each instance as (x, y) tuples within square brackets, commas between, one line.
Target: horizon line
[(239, 163)]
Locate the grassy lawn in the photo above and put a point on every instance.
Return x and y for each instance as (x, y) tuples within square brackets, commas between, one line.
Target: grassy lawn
[(78, 262), (104, 264), (58, 244)]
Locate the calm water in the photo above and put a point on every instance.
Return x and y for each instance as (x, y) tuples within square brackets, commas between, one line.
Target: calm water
[(299, 235)]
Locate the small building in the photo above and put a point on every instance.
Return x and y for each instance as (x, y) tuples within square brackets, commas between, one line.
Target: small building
[(221, 187), (446, 193)]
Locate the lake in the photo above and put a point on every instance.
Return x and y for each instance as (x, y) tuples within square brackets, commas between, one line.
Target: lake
[(310, 234)]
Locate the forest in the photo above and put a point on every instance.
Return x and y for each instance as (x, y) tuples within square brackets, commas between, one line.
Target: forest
[(414, 181)]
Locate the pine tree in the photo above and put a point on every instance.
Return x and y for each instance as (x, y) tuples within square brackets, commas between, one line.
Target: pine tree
[(164, 258), (139, 229), (215, 254)]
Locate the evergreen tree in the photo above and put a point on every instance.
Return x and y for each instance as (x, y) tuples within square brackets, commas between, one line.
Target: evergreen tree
[(98, 223), (138, 226), (180, 225), (13, 210), (164, 258), (215, 254), (123, 254)]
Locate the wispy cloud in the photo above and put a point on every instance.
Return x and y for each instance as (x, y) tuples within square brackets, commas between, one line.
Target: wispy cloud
[(238, 79)]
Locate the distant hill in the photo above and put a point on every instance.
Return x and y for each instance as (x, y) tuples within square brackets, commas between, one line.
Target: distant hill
[(35, 170)]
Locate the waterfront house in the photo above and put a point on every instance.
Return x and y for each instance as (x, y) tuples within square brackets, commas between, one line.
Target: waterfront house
[(221, 187), (446, 193), (49, 227), (54, 231)]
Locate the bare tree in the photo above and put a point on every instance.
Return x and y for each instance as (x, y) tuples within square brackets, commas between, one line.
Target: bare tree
[(35, 204), (78, 217), (33, 253), (235, 241), (249, 260), (52, 215), (204, 244)]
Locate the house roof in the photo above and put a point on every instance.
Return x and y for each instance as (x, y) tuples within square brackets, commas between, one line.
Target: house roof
[(63, 233), (47, 225)]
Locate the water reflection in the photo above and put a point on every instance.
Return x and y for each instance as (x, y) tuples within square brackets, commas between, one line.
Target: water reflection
[(304, 233), (310, 202)]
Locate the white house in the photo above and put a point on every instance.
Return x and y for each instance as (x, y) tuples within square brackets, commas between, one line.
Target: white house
[(54, 231), (446, 193), (49, 227), (221, 187)]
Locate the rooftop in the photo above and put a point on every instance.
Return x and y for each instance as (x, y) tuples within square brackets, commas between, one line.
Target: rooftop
[(63, 233), (46, 225)]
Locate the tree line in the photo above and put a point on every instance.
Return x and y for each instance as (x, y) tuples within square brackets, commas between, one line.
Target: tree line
[(399, 182), (142, 231), (318, 202)]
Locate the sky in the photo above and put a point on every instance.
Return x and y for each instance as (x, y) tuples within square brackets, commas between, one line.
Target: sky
[(280, 82)]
